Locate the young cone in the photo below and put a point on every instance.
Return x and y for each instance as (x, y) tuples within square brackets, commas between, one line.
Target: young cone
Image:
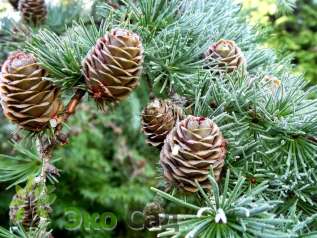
[(158, 119), (113, 67), (23, 211), (191, 149), (151, 214), (26, 98), (26, 209), (33, 11), (224, 56)]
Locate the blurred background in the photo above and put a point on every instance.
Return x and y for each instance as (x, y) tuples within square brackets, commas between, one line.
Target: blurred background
[(107, 167), (294, 33)]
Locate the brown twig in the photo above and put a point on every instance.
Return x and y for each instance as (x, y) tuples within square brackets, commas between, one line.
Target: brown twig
[(45, 156), (46, 146), (70, 110)]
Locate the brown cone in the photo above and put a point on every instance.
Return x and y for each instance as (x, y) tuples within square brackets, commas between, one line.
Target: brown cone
[(33, 11), (158, 119), (151, 214), (26, 98), (225, 56), (191, 149), (113, 67)]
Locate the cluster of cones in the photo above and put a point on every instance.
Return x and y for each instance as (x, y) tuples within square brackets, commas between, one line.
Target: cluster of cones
[(112, 70), (190, 146)]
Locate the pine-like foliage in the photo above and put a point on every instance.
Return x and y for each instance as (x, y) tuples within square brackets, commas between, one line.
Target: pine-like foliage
[(236, 212), (266, 114)]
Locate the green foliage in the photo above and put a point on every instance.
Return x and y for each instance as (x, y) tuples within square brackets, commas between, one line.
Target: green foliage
[(286, 5), (64, 64), (297, 33), (294, 32), (63, 15), (268, 131), (229, 213), (153, 16), (102, 166), (18, 168), (15, 34), (12, 36), (20, 232)]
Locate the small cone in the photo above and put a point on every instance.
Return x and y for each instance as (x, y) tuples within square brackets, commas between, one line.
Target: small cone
[(23, 211), (33, 11), (191, 149), (158, 119), (151, 214), (112, 68), (27, 208), (224, 56)]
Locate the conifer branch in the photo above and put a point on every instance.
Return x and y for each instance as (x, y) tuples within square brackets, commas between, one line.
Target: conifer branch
[(270, 127), (45, 155), (46, 146)]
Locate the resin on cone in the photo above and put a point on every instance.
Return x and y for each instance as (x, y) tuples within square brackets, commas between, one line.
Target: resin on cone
[(33, 12), (112, 68), (225, 56), (26, 98), (191, 149), (158, 119)]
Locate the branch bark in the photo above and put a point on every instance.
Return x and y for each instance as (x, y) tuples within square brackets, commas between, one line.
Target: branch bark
[(46, 146), (70, 110)]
